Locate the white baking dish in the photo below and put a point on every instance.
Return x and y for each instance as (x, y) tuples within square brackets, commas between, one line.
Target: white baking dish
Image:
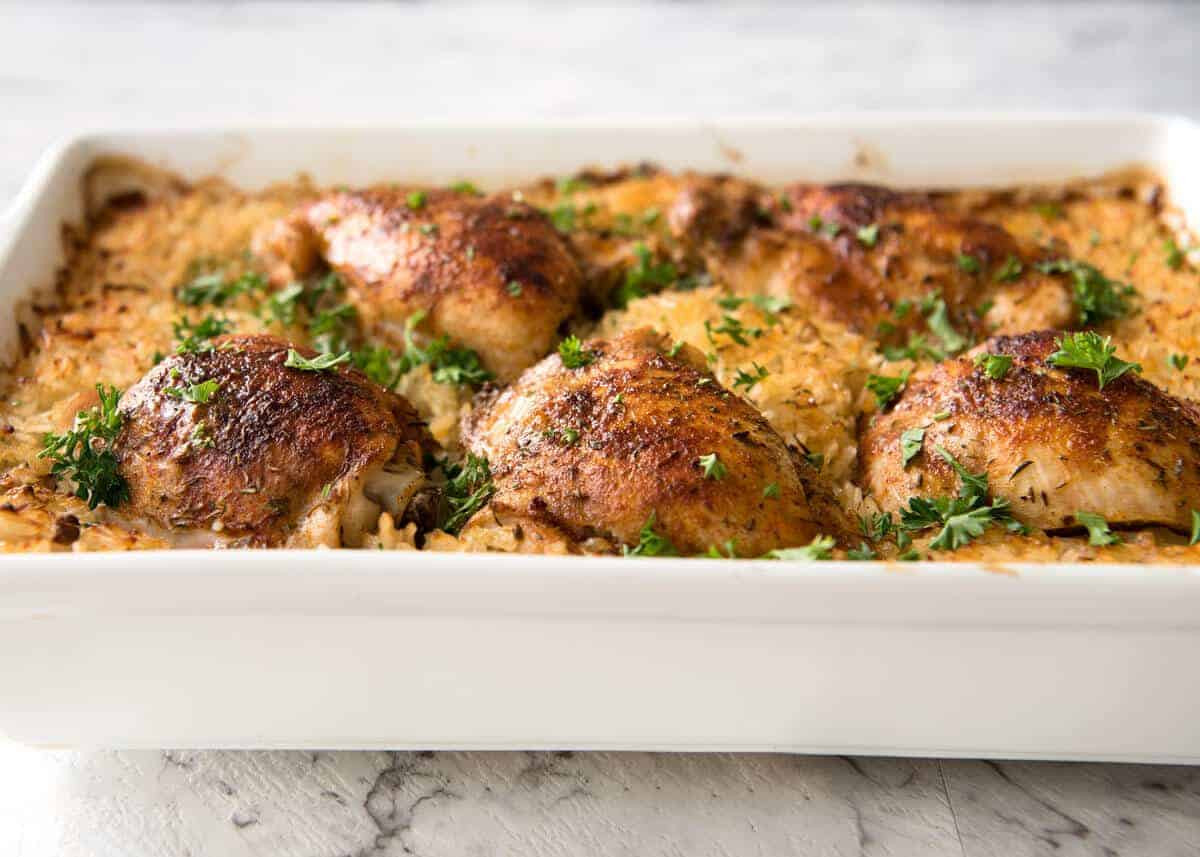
[(365, 649)]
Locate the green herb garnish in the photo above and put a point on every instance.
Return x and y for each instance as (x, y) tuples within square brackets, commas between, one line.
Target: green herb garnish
[(1098, 532), (650, 543), (749, 379), (83, 455), (910, 444), (820, 548), (886, 387), (1097, 298), (712, 466), (573, 354), (468, 487), (995, 366), (296, 360), (1087, 350), (198, 394)]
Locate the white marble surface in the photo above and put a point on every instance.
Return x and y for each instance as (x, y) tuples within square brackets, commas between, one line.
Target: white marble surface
[(65, 67)]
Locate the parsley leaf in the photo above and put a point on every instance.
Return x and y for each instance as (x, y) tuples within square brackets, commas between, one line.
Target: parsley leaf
[(415, 200), (84, 453), (962, 518), (995, 366), (868, 235), (644, 275), (820, 548), (910, 444), (938, 319), (1175, 254), (1195, 528), (967, 263), (573, 354), (749, 379), (1097, 298), (1098, 532), (468, 487), (212, 288), (650, 543), (199, 394), (450, 365), (862, 553), (296, 360), (1178, 362), (1087, 350), (197, 338), (1009, 272), (771, 491), (712, 466), (885, 387)]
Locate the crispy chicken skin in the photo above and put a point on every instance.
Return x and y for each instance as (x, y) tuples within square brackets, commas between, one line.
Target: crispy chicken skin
[(913, 249), (643, 419), (491, 273), (1050, 441), (276, 457)]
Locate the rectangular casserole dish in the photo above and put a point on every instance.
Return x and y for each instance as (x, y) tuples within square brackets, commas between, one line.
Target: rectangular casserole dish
[(364, 650)]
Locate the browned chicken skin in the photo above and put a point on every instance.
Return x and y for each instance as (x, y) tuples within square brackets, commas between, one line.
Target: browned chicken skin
[(596, 450), (275, 456), (1051, 442), (896, 249), (489, 272)]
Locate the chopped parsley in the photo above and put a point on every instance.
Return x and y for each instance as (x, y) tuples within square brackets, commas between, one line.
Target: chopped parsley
[(570, 184), (468, 487), (1009, 272), (821, 227), (1098, 532), (910, 444), (868, 235), (815, 459), (213, 288), (1097, 298), (918, 346), (820, 548), (1087, 350), (862, 553), (449, 365), (296, 360), (573, 354), (198, 394), (962, 518), (749, 379), (1195, 528), (1049, 210), (937, 316), (514, 288), (197, 338), (771, 491), (967, 263), (1178, 362), (644, 276), (83, 454), (282, 305), (650, 543), (1175, 254), (415, 200), (712, 466), (885, 387), (733, 328), (995, 366), (466, 187)]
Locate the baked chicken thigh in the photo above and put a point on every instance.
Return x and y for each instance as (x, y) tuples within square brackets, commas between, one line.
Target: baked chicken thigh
[(1051, 440), (231, 445), (611, 437)]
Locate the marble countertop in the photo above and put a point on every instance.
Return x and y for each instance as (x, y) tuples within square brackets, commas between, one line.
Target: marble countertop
[(68, 67)]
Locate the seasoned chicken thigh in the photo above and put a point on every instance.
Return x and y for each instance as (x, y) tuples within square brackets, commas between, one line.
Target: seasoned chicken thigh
[(622, 435), (231, 446), (900, 253), (1049, 439), (490, 273)]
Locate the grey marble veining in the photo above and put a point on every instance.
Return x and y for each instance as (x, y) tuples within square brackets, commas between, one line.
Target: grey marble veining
[(73, 66)]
